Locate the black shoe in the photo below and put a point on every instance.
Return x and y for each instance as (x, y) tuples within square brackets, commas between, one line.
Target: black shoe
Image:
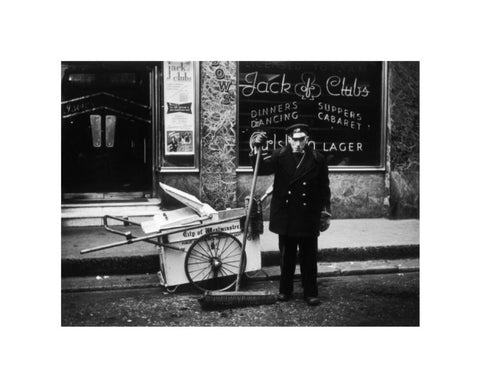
[(312, 301), (283, 297)]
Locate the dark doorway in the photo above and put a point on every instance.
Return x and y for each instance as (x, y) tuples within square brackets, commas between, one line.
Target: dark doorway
[(106, 129)]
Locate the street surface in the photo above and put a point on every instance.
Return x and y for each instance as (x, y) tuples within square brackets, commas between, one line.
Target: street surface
[(365, 300)]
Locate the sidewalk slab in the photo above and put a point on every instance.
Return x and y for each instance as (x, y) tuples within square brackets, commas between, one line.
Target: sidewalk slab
[(358, 233), (346, 240), (75, 239)]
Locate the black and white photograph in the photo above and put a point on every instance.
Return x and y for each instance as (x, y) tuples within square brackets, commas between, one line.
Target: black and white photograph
[(328, 152), (246, 193)]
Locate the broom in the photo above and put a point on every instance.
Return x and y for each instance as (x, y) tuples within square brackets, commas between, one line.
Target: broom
[(237, 298)]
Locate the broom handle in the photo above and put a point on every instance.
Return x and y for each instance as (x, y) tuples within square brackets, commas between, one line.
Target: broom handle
[(247, 220)]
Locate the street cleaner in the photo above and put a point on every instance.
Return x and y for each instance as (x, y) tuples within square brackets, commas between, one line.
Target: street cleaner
[(300, 206)]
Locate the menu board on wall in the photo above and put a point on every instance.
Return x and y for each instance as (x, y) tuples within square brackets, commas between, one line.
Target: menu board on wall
[(179, 117), (342, 103)]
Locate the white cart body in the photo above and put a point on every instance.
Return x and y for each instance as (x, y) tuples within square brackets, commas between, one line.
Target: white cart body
[(172, 262)]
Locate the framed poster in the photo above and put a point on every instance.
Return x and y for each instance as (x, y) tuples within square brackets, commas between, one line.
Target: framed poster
[(342, 102), (179, 142), (179, 115)]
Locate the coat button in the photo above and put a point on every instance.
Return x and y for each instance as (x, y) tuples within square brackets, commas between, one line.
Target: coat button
[(304, 204), (304, 183), (289, 192), (304, 194), (286, 201)]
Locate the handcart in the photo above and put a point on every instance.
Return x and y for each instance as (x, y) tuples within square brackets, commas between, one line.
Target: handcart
[(196, 244)]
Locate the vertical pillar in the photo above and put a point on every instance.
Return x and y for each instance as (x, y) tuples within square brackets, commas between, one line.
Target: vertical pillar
[(218, 123), (404, 90), (388, 123)]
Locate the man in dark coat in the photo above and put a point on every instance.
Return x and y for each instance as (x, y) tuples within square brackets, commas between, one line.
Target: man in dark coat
[(300, 207)]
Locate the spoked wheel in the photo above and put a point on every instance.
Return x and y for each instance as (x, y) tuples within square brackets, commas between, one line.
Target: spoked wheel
[(213, 260)]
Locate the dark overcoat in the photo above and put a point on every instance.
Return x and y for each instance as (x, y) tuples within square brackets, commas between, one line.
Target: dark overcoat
[(299, 193)]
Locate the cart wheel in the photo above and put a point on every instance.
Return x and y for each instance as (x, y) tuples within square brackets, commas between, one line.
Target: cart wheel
[(213, 260)]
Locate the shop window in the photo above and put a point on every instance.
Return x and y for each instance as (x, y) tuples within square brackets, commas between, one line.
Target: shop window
[(342, 102)]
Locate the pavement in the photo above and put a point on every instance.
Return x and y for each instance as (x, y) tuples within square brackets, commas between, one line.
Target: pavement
[(358, 300), (350, 246)]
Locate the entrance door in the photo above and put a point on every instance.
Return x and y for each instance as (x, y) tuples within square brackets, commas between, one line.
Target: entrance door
[(106, 129)]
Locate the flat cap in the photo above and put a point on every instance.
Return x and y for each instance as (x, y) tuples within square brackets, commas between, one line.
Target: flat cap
[(297, 130)]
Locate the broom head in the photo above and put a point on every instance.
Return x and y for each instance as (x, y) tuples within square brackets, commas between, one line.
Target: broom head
[(223, 300)]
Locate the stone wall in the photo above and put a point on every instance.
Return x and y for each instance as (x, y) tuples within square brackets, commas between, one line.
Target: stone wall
[(354, 195), (404, 139), (218, 134), (358, 194)]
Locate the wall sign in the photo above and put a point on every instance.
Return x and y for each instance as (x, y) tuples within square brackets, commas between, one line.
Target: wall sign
[(342, 102), (179, 117)]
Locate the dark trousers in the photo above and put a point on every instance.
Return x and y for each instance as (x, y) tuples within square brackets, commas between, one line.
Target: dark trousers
[(307, 252)]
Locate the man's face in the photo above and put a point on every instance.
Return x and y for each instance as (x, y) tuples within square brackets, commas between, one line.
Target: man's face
[(298, 144)]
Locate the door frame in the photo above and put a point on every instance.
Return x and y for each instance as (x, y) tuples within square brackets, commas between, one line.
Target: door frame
[(151, 68)]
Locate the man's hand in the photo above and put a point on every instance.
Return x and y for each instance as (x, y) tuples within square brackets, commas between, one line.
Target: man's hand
[(259, 140), (324, 221)]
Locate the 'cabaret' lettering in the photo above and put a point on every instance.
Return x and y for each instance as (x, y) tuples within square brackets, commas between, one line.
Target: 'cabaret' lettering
[(339, 115)]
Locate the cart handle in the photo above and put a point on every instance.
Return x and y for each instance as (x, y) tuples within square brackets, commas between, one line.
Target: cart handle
[(130, 241), (171, 230), (125, 221)]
